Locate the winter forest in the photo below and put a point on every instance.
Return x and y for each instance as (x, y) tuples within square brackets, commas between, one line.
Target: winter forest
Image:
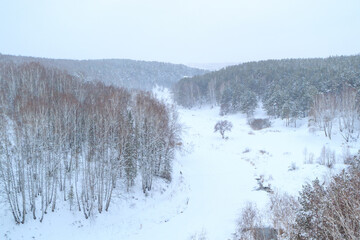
[(286, 87), (63, 139), (260, 150)]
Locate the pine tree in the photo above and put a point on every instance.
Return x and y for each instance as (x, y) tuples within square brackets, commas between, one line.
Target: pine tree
[(310, 222), (226, 102)]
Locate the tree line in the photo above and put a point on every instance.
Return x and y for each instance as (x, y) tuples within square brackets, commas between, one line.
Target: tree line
[(118, 72), (64, 139), (287, 88)]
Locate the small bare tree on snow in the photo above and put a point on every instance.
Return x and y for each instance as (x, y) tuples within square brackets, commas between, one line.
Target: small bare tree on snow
[(328, 106), (323, 111), (348, 108), (282, 213), (250, 226), (222, 127), (248, 222)]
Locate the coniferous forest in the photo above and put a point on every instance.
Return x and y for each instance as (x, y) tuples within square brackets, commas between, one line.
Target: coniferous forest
[(287, 88)]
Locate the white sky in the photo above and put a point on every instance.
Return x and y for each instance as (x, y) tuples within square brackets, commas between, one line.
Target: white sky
[(180, 31)]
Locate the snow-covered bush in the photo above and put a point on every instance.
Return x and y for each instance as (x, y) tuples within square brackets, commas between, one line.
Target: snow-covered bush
[(199, 236), (259, 123), (293, 166), (308, 157), (327, 157), (246, 150)]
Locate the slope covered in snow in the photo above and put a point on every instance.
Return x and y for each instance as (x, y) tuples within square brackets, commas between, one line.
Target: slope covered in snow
[(213, 179), (117, 72)]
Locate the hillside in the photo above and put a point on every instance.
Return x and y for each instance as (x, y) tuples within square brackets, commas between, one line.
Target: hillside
[(212, 180), (287, 87), (69, 142), (119, 72)]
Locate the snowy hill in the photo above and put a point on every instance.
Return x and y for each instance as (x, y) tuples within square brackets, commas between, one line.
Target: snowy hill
[(119, 72), (213, 179)]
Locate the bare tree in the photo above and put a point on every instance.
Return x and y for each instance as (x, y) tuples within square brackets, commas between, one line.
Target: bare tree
[(329, 106), (282, 211), (324, 111), (348, 108), (222, 127)]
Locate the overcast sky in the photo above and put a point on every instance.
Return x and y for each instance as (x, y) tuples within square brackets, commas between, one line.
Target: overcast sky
[(180, 31)]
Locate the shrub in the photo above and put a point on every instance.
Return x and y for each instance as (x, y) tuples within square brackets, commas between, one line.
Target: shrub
[(327, 157), (293, 166), (250, 227), (199, 236), (259, 123)]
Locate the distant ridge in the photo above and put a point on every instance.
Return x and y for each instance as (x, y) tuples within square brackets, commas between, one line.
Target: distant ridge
[(119, 72)]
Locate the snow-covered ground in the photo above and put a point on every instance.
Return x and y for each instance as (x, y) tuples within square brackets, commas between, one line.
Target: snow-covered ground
[(212, 180)]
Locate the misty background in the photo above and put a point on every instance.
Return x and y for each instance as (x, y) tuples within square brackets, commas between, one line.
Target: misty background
[(187, 31)]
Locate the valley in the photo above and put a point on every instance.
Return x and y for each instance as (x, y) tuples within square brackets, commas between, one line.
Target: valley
[(213, 179)]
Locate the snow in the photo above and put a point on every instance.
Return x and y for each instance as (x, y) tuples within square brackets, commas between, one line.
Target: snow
[(213, 179), (212, 66)]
